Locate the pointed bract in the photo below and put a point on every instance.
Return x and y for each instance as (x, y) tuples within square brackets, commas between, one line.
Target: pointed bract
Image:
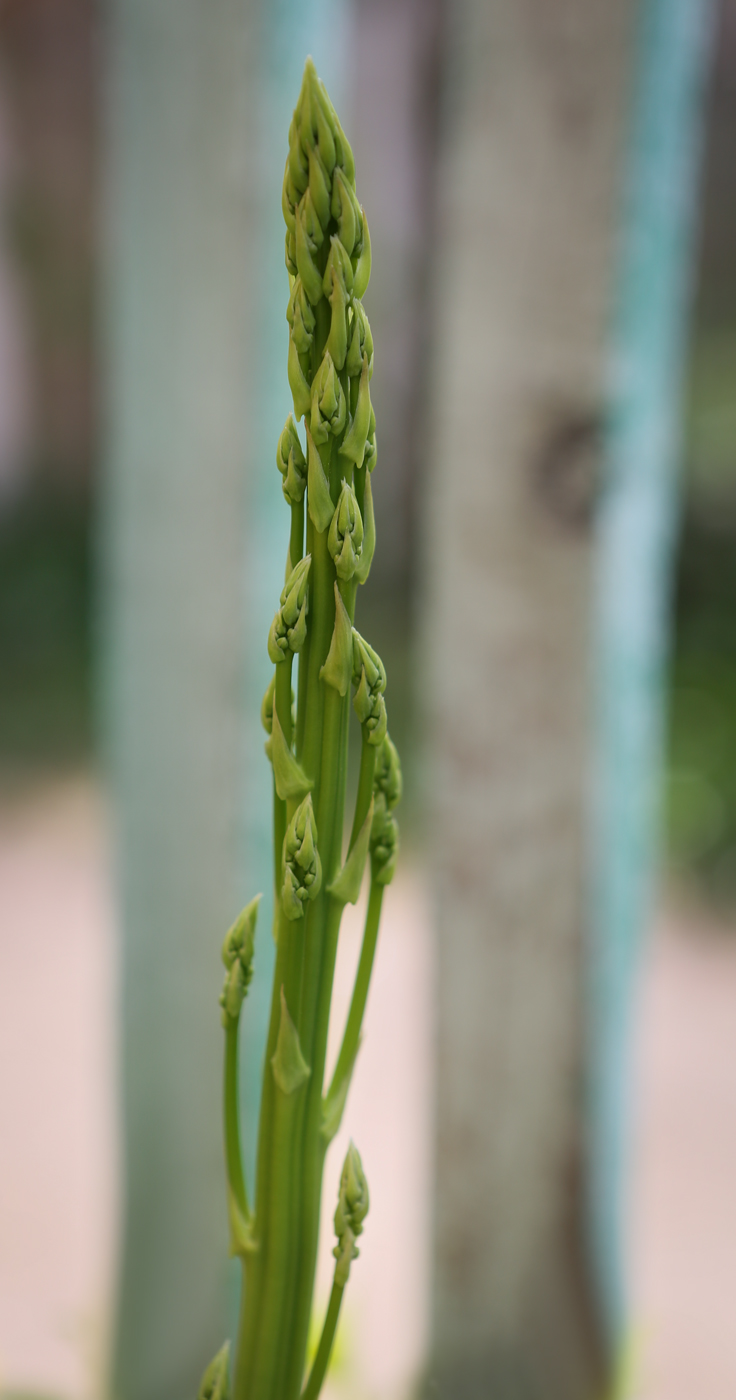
[(289, 777), (319, 500), (353, 446), (363, 267), (290, 1069), (215, 1383), (333, 1106), (363, 566), (338, 667), (346, 886)]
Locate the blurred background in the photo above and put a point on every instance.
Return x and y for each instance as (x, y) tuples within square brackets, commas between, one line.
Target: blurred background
[(546, 1098)]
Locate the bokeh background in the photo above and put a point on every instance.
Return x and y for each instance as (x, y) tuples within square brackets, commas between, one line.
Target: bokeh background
[(551, 1147)]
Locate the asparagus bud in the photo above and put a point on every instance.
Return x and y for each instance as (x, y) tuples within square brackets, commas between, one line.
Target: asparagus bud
[(302, 865), (289, 627), (329, 409), (301, 318), (369, 538), (338, 265), (387, 788), (307, 243), (345, 537), (352, 1208), (237, 956), (347, 213), (292, 463), (319, 186), (388, 779), (302, 322), (215, 1383), (301, 392), (369, 677), (338, 295), (363, 262), (267, 705), (384, 843), (371, 451), (361, 342), (357, 436)]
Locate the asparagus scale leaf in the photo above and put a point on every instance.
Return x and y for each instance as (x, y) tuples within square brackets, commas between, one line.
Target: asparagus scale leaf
[(316, 652)]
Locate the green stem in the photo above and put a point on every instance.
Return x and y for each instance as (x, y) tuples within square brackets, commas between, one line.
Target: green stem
[(324, 1350), (277, 1277), (301, 708), (322, 612), (314, 1147), (268, 1324), (353, 1025), (365, 787), (321, 951), (359, 486), (282, 705), (249, 1330), (278, 1194)]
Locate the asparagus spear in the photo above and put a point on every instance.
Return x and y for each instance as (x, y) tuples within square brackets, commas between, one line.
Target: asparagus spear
[(331, 544)]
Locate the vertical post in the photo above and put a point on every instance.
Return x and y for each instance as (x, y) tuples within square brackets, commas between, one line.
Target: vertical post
[(179, 246), (634, 550), (528, 183)]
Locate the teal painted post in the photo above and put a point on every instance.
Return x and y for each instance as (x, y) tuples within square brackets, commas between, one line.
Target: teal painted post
[(636, 533), (178, 241), (199, 103)]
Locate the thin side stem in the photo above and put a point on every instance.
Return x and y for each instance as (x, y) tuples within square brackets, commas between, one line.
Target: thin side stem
[(353, 1025), (326, 1341), (233, 1150), (323, 927), (314, 1147), (301, 707), (277, 1276), (282, 705), (365, 787), (249, 1331)]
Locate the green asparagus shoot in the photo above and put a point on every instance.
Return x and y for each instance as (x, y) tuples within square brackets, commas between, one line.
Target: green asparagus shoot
[(326, 482)]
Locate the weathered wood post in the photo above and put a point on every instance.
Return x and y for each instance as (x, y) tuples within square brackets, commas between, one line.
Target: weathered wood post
[(529, 183), (544, 172)]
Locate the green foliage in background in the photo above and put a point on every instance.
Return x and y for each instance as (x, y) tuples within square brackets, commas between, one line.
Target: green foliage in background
[(701, 777), (45, 607)]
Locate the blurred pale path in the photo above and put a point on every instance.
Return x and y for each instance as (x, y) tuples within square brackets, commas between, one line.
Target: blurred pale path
[(58, 1188), (518, 388), (682, 1247), (388, 1114)]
